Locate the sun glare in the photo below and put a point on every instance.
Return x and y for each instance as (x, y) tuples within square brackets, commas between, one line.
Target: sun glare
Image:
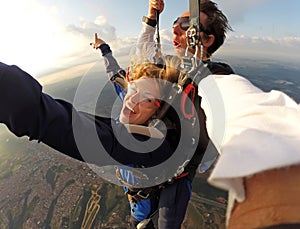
[(33, 36)]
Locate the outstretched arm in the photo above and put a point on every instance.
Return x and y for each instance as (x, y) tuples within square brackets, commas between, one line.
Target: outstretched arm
[(27, 111)]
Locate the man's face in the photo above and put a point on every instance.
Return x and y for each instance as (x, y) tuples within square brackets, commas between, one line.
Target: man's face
[(140, 102), (180, 27)]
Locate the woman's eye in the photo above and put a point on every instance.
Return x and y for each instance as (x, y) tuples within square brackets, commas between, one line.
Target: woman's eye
[(147, 99)]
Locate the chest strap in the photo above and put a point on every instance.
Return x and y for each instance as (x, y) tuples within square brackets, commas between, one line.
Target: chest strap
[(135, 194)]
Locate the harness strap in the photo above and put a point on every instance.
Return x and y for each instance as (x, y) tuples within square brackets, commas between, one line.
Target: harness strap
[(137, 194), (157, 58), (141, 194), (188, 92), (149, 131), (158, 46), (181, 176), (192, 34), (193, 38), (174, 91), (120, 79)]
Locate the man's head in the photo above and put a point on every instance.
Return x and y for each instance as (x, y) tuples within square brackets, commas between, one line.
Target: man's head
[(213, 28)]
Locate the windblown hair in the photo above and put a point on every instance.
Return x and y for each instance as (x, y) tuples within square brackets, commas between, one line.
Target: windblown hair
[(164, 75), (169, 72), (216, 24)]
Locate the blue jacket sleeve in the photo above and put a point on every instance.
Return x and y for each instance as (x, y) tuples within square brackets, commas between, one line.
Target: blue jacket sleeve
[(26, 110), (112, 68)]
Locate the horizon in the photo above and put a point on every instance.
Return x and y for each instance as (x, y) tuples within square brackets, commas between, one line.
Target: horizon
[(43, 36)]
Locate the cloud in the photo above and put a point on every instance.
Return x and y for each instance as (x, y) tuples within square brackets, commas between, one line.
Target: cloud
[(100, 25), (286, 48), (36, 38), (236, 9), (121, 46), (166, 35), (26, 31)]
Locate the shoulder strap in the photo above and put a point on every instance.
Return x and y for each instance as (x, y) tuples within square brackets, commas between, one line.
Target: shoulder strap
[(120, 79), (219, 68), (149, 131)]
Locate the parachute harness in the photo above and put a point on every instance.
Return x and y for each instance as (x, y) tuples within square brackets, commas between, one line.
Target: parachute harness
[(193, 70)]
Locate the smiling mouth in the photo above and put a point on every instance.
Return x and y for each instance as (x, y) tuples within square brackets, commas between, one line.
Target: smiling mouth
[(130, 110), (176, 44)]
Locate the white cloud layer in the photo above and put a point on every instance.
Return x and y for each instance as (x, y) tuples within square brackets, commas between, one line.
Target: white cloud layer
[(236, 9), (287, 48)]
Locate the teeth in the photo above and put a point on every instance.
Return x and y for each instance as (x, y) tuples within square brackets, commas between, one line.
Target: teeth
[(131, 109)]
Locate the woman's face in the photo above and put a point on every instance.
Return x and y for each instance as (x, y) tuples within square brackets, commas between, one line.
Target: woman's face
[(140, 102)]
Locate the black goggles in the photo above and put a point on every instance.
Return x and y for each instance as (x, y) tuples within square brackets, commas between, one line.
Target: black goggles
[(184, 23)]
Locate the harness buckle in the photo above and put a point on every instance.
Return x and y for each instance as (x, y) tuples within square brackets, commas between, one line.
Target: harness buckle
[(180, 169), (188, 62), (143, 195), (192, 37)]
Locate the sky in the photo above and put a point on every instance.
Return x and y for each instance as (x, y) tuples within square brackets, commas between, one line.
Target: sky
[(43, 36)]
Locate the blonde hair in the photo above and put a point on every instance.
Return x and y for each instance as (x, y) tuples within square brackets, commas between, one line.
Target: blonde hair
[(169, 72)]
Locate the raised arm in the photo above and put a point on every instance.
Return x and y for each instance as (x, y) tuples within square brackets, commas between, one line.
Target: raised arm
[(146, 43), (114, 72), (110, 63)]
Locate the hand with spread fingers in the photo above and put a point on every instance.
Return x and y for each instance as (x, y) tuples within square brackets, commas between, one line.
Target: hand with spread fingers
[(97, 42)]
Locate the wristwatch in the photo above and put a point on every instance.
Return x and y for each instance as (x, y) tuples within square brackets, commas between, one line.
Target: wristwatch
[(149, 21)]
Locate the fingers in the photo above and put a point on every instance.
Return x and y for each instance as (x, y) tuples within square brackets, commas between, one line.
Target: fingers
[(157, 5), (96, 44)]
